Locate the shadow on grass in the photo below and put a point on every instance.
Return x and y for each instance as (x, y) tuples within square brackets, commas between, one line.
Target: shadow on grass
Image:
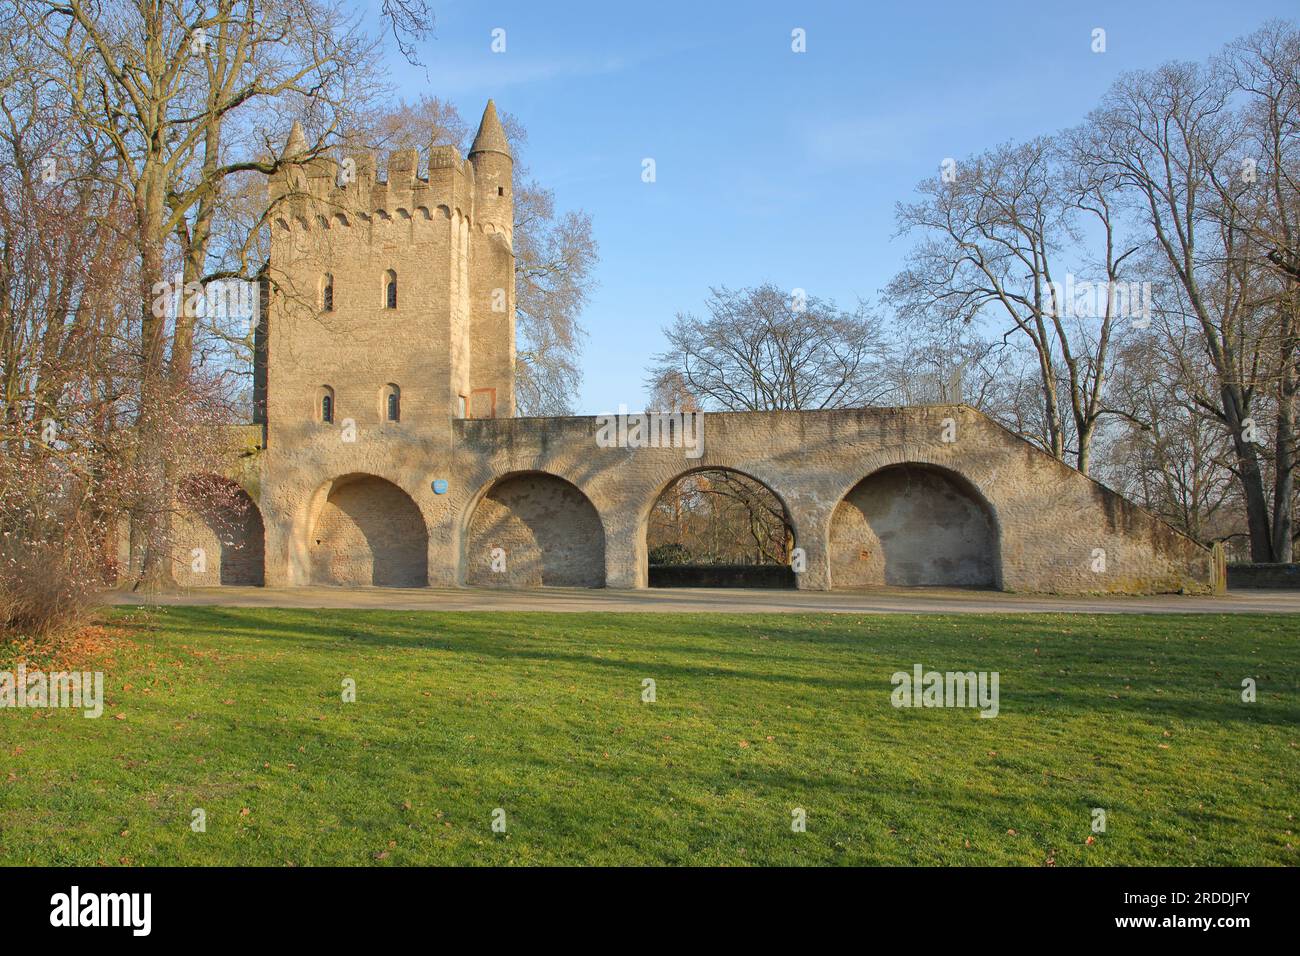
[(1098, 654)]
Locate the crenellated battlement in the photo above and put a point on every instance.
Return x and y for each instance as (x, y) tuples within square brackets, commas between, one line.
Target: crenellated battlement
[(325, 192), (322, 192)]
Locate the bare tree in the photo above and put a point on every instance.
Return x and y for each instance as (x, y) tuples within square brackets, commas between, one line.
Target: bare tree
[(70, 461), (1265, 67), (762, 349), (176, 90), (555, 256), (718, 517), (995, 228), (1166, 136), (1166, 453)]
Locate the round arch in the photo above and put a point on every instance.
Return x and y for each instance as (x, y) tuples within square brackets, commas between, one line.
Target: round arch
[(914, 524), (529, 529), (734, 577), (219, 533), (365, 530)]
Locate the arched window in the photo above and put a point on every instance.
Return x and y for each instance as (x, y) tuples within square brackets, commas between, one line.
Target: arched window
[(390, 289), (391, 403), (327, 293), (325, 404)]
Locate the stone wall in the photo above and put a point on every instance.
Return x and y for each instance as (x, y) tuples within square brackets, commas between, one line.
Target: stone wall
[(535, 530), (368, 532), (984, 508), (910, 526), (721, 576), (929, 495), (219, 542), (1264, 576)]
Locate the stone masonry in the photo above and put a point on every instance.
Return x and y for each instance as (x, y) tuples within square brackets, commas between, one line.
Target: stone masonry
[(387, 451)]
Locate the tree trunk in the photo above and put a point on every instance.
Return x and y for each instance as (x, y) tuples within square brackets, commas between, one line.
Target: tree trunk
[(1251, 479), (150, 525), (1284, 476)]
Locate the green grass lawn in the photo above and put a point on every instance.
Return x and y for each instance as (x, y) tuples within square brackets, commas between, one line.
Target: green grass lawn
[(239, 712)]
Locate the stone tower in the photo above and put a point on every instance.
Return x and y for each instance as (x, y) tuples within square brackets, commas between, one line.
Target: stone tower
[(390, 303)]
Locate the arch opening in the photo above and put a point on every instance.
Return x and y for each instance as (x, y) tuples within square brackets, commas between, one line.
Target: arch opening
[(533, 529), (914, 525), (368, 532), (219, 534), (718, 527)]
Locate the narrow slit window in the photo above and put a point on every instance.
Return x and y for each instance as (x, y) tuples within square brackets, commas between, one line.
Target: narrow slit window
[(390, 403), (327, 294), (390, 290)]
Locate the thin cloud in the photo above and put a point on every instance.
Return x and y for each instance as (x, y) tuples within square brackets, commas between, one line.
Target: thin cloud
[(491, 73)]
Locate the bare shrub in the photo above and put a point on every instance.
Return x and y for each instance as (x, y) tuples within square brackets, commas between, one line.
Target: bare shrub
[(51, 549)]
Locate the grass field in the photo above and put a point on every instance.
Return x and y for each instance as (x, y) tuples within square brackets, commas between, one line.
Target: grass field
[(239, 712)]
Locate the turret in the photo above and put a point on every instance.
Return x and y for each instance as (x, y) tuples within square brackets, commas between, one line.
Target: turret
[(296, 145), (493, 170), (492, 299)]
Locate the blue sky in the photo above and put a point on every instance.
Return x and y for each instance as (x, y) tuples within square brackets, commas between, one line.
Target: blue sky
[(772, 165)]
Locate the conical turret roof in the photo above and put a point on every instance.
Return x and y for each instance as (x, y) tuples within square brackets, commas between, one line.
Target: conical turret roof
[(296, 143), (491, 136)]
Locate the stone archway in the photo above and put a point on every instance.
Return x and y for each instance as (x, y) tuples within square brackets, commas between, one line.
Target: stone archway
[(219, 535), (716, 526), (533, 529), (913, 525), (368, 531)]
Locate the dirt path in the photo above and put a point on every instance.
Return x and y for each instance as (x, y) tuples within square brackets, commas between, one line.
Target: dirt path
[(725, 600)]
